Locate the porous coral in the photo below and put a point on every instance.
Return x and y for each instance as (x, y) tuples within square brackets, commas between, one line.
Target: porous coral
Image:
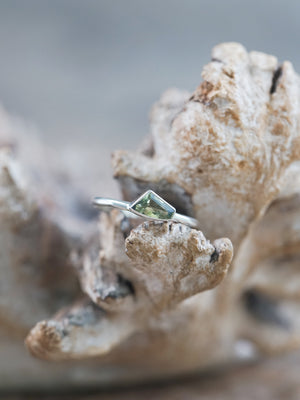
[(159, 297)]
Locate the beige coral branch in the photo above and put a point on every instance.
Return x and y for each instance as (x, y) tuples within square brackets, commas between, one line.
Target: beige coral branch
[(80, 331), (170, 262), (173, 262)]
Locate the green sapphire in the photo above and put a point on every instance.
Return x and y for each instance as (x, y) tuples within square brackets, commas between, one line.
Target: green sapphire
[(153, 206)]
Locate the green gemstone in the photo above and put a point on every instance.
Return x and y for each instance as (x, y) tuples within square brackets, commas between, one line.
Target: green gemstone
[(153, 206)]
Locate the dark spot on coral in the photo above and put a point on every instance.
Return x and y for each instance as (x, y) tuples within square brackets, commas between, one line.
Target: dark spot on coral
[(125, 227), (159, 223), (230, 74), (214, 59), (128, 288), (147, 148), (277, 74), (64, 333), (214, 257), (264, 309), (201, 94), (119, 289), (278, 129), (150, 152), (86, 315), (242, 164)]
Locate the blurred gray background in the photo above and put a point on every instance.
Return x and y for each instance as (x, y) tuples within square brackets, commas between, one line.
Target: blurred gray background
[(87, 71)]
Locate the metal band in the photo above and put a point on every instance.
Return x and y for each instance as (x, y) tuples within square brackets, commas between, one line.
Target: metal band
[(184, 219), (126, 207), (103, 202)]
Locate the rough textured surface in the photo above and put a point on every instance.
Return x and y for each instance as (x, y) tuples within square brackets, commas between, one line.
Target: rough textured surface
[(133, 300), (228, 144), (168, 263)]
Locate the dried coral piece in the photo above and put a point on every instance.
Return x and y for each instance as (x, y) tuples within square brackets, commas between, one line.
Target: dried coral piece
[(219, 154), (169, 263), (77, 332), (228, 146), (173, 262), (159, 297), (26, 237)]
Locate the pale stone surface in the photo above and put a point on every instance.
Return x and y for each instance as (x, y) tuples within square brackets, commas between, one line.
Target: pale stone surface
[(140, 301)]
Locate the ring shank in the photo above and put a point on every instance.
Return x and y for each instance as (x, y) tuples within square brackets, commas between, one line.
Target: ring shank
[(184, 219), (102, 202)]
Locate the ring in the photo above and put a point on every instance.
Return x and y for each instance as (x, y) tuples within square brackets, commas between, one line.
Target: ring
[(150, 206)]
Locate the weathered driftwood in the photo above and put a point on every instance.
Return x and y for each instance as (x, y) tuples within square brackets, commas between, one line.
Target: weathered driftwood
[(140, 300)]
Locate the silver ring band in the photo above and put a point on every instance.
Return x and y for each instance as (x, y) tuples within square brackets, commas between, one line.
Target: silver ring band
[(149, 206)]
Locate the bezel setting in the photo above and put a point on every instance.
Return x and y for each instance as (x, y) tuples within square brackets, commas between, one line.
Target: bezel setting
[(152, 206)]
